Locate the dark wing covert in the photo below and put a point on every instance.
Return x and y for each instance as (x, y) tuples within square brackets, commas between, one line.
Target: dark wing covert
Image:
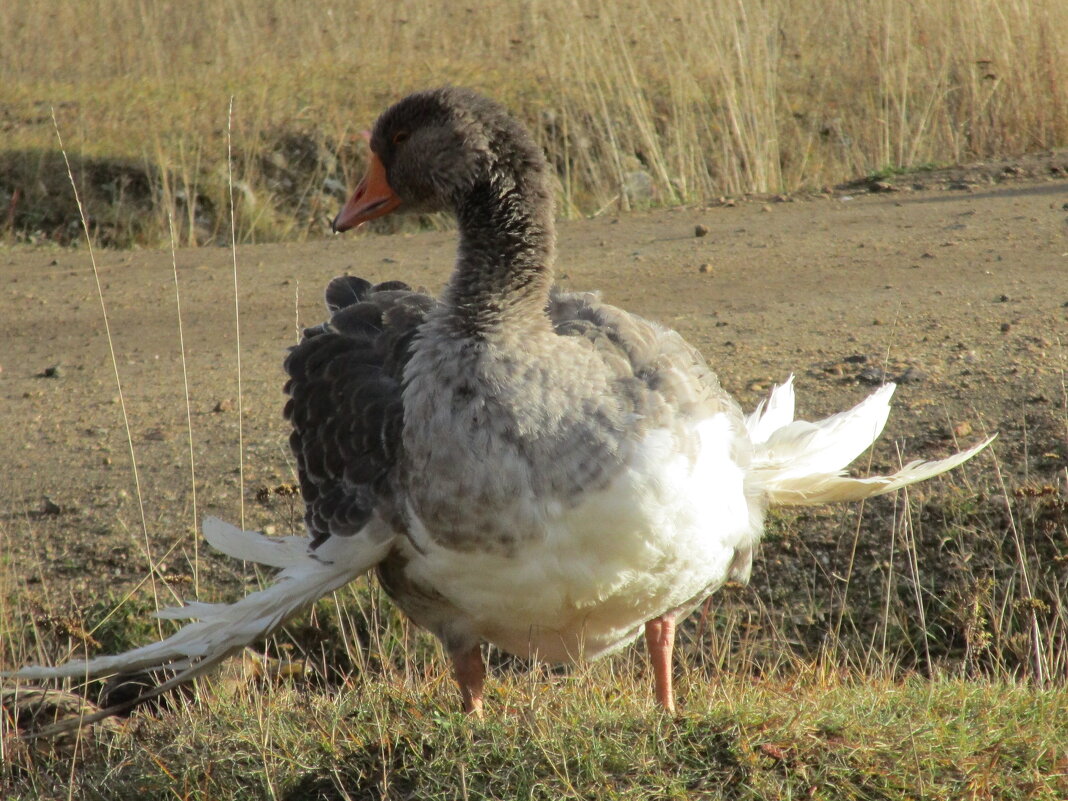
[(345, 386)]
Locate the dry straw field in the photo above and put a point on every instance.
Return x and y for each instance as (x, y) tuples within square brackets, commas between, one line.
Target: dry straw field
[(638, 102)]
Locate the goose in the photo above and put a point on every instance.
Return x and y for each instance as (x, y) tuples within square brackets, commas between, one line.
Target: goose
[(521, 465)]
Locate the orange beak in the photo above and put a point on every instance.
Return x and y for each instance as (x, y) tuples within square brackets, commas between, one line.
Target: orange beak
[(374, 197)]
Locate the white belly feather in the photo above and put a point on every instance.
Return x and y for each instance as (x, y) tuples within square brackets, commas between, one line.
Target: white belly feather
[(661, 535)]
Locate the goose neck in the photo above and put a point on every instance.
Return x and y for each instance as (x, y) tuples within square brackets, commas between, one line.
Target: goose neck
[(505, 257)]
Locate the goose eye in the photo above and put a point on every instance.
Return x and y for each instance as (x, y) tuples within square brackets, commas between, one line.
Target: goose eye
[(400, 137)]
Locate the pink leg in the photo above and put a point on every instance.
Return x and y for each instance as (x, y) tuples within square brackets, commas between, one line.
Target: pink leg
[(470, 673), (660, 638)]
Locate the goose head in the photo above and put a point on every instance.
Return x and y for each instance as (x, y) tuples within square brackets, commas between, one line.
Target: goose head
[(435, 150)]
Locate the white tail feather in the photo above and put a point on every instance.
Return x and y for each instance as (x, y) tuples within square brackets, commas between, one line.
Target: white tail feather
[(831, 487), (773, 413), (221, 629), (797, 462)]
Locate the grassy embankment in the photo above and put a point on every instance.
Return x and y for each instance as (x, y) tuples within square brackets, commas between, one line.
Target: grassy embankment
[(636, 103)]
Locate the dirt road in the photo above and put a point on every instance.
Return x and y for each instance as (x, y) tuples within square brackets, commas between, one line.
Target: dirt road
[(960, 295)]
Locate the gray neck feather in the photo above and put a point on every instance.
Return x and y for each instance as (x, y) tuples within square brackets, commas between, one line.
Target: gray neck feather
[(506, 252)]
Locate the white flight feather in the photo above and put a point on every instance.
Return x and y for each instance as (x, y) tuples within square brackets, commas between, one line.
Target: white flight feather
[(773, 413), (219, 630), (798, 462)]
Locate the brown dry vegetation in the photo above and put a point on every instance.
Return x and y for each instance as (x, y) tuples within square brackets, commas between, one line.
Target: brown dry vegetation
[(637, 103)]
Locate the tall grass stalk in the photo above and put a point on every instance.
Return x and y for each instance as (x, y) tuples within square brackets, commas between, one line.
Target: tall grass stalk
[(237, 315), (195, 527), (152, 565)]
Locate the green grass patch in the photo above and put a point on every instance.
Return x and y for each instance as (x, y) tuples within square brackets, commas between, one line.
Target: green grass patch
[(816, 737)]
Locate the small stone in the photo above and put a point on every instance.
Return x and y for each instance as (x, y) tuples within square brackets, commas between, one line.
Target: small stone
[(912, 376), (1003, 298), (706, 269), (872, 375), (962, 429), (700, 230), (1005, 327), (51, 372), (225, 405)]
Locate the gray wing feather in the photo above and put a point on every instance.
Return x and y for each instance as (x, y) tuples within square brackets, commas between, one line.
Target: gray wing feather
[(345, 402)]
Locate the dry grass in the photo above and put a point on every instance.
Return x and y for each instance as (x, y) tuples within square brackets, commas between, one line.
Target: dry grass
[(388, 728), (635, 102)]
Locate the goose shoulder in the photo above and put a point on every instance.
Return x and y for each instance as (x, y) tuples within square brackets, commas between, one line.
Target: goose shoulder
[(664, 368)]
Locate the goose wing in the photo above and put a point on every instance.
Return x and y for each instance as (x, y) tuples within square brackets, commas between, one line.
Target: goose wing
[(345, 404)]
